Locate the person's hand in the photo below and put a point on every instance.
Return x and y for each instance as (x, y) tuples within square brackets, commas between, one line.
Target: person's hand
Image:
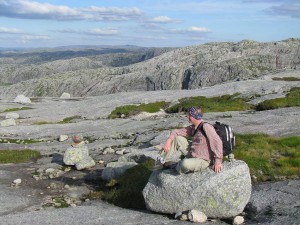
[(217, 167), (167, 145)]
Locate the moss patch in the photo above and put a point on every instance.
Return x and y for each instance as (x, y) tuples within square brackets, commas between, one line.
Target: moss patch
[(16, 109), (292, 99), (286, 78), (17, 156), (130, 110), (126, 191), (215, 104)]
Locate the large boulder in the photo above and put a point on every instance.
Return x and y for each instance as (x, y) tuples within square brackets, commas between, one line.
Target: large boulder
[(22, 99), (218, 195)]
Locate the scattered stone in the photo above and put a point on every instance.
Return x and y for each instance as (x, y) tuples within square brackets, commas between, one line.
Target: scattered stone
[(197, 216), (17, 181), (238, 220), (120, 152), (22, 99), (63, 138), (8, 122), (109, 150), (49, 170), (12, 115), (65, 95)]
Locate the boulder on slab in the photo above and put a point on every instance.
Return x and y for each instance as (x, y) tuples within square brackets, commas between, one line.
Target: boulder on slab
[(8, 122), (217, 195), (12, 115), (22, 99), (65, 95)]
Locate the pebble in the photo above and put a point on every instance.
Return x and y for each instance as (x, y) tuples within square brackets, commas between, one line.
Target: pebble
[(238, 220), (17, 181)]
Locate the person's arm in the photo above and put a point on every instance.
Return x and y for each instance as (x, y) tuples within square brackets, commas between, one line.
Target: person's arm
[(185, 132), (216, 146)]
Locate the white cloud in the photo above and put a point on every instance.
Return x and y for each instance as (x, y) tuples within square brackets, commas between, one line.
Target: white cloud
[(95, 31), (198, 29), (30, 38), (192, 29), (163, 19), (10, 30), (27, 9)]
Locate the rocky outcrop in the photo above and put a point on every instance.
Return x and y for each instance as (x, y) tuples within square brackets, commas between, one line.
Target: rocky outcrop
[(185, 68), (221, 195)]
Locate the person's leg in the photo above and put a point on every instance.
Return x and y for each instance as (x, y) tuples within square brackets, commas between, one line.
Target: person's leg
[(179, 147), (192, 165)]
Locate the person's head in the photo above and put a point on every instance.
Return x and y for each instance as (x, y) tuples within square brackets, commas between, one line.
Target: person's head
[(195, 115), (78, 138)]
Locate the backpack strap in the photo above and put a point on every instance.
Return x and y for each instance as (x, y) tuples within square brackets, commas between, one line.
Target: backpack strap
[(200, 128)]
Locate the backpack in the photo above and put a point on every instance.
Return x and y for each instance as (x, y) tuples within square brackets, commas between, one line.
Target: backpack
[(226, 134)]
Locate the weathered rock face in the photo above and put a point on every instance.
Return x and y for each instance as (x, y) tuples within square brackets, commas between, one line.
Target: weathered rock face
[(221, 195), (185, 68)]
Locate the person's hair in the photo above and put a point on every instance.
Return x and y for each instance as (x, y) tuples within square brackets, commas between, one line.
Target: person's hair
[(77, 138)]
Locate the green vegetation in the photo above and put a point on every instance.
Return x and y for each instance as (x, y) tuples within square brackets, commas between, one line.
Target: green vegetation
[(130, 110), (269, 158), (126, 191), (69, 119), (286, 78), (19, 141), (215, 104), (17, 109), (17, 156), (57, 202), (65, 120), (292, 99)]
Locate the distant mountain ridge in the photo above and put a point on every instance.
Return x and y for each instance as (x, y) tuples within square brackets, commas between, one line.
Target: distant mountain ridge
[(141, 69)]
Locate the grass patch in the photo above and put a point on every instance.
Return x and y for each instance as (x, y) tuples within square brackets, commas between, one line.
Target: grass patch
[(65, 120), (130, 110), (16, 109), (19, 141), (69, 119), (269, 158), (126, 191), (292, 99), (17, 156), (286, 78), (215, 104)]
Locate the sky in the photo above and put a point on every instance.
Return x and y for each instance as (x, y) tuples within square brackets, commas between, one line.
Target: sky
[(148, 23)]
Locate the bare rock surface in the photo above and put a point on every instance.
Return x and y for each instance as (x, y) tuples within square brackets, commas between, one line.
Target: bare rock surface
[(40, 127)]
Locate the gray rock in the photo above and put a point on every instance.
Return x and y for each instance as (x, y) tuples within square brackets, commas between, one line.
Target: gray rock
[(8, 122), (197, 216), (22, 99), (115, 169), (12, 115), (218, 195), (65, 95), (78, 155), (63, 137)]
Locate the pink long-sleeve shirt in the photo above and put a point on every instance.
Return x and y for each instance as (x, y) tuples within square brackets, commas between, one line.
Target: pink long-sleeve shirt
[(211, 149)]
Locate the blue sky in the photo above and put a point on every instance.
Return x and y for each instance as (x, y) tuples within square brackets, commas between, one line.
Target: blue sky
[(149, 23)]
